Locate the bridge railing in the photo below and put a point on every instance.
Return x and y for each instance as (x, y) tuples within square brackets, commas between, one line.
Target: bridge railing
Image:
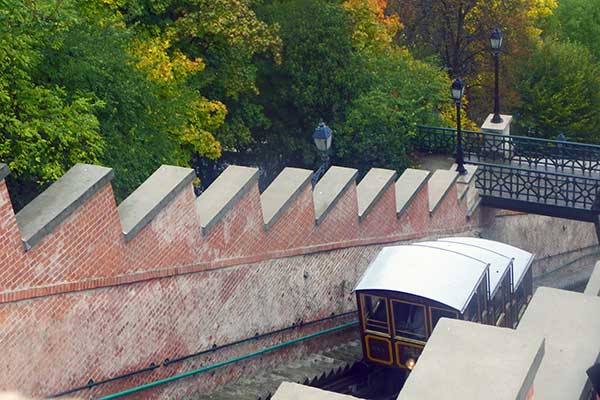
[(520, 151), (535, 186)]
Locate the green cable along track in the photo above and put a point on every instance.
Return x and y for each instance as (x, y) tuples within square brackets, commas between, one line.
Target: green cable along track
[(226, 362)]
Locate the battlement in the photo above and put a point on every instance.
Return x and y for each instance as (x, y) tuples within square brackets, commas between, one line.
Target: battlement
[(74, 237)]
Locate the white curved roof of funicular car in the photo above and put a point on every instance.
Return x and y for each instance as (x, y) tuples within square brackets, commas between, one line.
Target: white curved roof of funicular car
[(446, 277), (499, 264), (521, 258)]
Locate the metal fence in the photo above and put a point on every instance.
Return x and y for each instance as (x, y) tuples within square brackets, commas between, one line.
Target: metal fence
[(535, 186), (520, 151)]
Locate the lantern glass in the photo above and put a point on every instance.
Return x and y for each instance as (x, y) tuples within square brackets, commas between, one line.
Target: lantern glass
[(458, 89), (322, 144), (496, 39), (322, 137)]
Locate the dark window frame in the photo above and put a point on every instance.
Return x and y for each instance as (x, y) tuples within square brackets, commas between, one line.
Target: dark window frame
[(370, 324), (414, 336)]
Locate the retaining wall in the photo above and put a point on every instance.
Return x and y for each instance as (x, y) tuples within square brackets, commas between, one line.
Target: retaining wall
[(566, 250), (89, 290)]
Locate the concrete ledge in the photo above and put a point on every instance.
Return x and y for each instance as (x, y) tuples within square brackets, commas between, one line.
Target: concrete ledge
[(372, 187), (60, 200), (473, 207), (593, 285), (569, 322), (4, 171), (439, 184), (224, 192), (468, 177), (330, 188), (282, 192), (469, 361), (139, 208), (407, 186), (464, 181), (295, 391)]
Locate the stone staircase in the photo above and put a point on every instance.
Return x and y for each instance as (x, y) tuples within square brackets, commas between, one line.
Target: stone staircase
[(313, 369)]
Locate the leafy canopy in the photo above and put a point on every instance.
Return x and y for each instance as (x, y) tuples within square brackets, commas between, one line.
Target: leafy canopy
[(43, 130), (560, 86)]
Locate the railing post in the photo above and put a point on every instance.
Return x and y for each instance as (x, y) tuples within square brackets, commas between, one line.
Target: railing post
[(501, 128)]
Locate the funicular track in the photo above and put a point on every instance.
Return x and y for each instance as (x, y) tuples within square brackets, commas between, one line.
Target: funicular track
[(338, 369)]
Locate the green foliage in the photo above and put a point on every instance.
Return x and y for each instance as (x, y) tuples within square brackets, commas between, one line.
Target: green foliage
[(376, 132), (136, 119), (560, 88), (578, 21), (133, 84), (381, 121), (317, 78), (43, 130), (226, 35)]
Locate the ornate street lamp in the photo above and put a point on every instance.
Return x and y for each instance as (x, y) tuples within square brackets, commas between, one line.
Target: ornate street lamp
[(496, 43), (322, 137), (458, 91)]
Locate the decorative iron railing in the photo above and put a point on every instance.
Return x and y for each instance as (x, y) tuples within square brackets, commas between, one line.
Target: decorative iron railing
[(435, 140), (519, 151), (535, 186)]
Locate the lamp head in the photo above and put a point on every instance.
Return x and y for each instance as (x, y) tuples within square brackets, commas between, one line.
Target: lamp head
[(496, 39), (322, 137), (458, 89)]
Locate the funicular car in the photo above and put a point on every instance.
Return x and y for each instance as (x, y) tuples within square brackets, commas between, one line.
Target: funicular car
[(408, 288), (522, 274)]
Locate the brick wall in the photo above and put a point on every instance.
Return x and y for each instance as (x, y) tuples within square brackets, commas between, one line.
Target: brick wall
[(85, 304)]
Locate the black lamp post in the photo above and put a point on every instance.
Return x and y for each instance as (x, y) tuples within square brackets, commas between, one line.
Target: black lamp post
[(458, 91), (322, 137), (496, 42)]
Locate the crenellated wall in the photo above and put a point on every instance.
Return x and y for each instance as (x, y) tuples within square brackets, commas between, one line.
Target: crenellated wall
[(89, 290)]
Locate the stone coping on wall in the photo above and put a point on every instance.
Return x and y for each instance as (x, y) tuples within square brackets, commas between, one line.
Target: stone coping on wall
[(56, 203), (330, 188), (282, 192), (468, 177), (464, 181), (372, 187), (139, 208), (439, 184), (408, 185), (102, 244), (569, 322), (220, 197), (461, 345), (296, 391), (4, 171), (593, 285)]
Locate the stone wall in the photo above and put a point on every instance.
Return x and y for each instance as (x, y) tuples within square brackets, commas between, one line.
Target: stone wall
[(89, 290), (556, 242)]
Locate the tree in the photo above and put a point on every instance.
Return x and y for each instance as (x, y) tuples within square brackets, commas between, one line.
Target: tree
[(560, 87), (225, 36), (317, 78), (402, 92), (578, 21), (456, 32), (43, 130)]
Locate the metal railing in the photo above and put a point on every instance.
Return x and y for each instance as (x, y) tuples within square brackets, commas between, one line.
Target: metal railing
[(435, 140), (535, 186), (520, 151)]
